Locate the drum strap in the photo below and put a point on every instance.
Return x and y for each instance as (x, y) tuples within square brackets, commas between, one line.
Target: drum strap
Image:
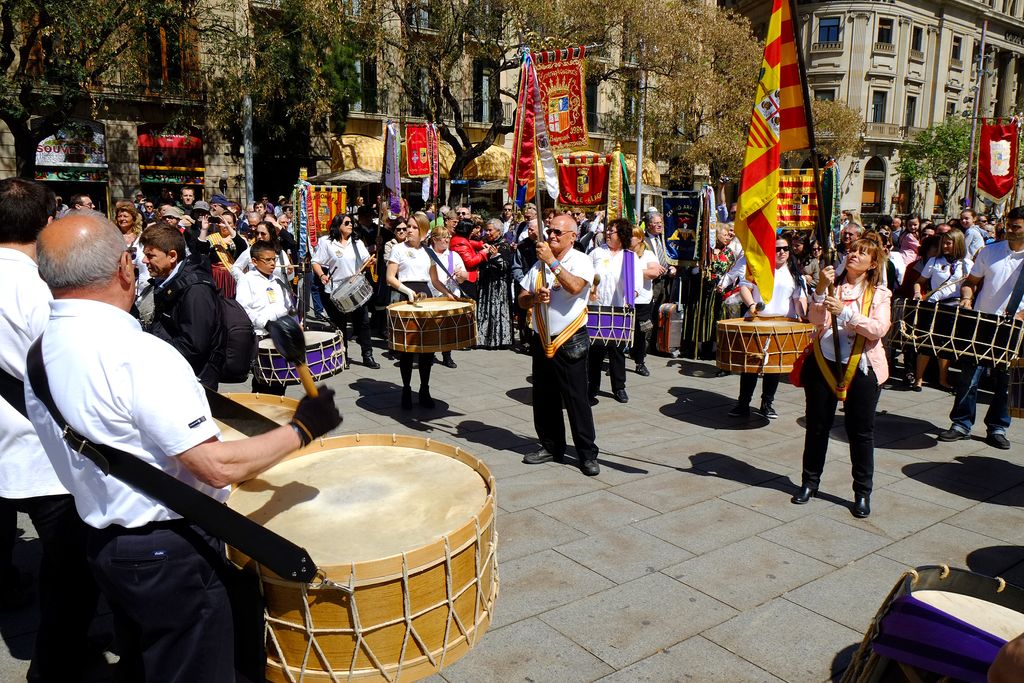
[(840, 386), (1017, 294), (275, 552)]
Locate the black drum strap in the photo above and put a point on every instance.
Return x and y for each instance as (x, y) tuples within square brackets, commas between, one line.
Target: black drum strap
[(275, 552), (1018, 293)]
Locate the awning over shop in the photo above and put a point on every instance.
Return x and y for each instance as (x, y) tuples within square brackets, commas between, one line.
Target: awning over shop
[(169, 157), (356, 153)]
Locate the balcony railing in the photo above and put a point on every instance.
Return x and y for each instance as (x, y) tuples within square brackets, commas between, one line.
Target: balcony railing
[(885, 48), (471, 109), (917, 55), (884, 131), (956, 64), (832, 46)]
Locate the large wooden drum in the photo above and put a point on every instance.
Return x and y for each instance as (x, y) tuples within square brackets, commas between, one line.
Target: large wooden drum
[(402, 529), (765, 344), (938, 624), (956, 333), (432, 325)]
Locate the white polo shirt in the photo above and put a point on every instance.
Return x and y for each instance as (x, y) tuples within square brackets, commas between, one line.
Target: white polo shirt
[(1000, 267), (413, 264), (452, 264), (340, 261), (263, 298), (945, 278), (646, 294), (611, 291), (785, 295), (243, 265), (25, 471), (117, 385), (564, 307)]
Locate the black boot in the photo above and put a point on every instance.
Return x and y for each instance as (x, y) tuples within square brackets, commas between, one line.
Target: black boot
[(425, 399), (803, 495), (406, 398), (369, 362), (861, 507)]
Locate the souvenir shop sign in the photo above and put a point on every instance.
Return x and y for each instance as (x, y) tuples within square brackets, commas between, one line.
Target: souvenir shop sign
[(71, 175), (171, 177), (83, 144)]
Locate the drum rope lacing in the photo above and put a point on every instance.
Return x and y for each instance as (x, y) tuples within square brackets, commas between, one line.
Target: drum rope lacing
[(408, 616), (960, 343)]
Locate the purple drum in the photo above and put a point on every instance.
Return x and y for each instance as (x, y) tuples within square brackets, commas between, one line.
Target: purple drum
[(325, 356), (610, 325), (949, 622)]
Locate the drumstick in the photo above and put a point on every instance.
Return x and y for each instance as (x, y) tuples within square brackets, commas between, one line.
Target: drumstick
[(290, 343)]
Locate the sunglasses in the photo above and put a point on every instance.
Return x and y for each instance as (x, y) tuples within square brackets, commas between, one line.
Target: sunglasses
[(781, 249), (402, 229), (346, 222), (556, 232)]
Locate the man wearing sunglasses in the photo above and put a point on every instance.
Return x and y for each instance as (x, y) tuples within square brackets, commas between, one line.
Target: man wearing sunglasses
[(557, 288)]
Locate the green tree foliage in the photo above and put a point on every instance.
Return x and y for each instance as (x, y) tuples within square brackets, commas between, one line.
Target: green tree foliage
[(938, 153), (65, 58)]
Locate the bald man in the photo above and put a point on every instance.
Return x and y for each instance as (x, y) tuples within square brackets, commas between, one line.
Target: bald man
[(166, 579), (557, 288)]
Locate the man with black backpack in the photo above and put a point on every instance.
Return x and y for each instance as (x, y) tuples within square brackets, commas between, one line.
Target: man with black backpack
[(213, 333)]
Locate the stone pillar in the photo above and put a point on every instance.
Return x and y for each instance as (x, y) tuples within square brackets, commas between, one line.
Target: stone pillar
[(1005, 100)]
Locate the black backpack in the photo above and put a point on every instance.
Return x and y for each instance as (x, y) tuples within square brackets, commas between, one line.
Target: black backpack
[(238, 342)]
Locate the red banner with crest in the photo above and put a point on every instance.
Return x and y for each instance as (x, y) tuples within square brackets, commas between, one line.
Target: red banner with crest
[(563, 91), (997, 160), (417, 154), (582, 180)]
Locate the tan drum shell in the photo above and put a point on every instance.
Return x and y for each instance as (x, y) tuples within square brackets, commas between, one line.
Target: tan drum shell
[(741, 344), (423, 330), (280, 409), (379, 590)]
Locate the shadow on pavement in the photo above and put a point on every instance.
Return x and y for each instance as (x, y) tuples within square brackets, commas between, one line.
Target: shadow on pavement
[(693, 368), (976, 477), (727, 467), (384, 398), (709, 409), (842, 661), (995, 560), (523, 395)]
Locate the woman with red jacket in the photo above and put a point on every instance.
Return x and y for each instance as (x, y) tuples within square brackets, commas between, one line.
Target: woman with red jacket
[(473, 254)]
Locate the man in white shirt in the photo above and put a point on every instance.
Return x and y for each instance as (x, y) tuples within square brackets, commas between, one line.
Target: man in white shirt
[(999, 269), (557, 288), (27, 480), (264, 298), (662, 286), (164, 578), (974, 235)]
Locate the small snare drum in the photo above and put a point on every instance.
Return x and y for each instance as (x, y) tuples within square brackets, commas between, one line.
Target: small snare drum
[(325, 356), (352, 293), (611, 325)]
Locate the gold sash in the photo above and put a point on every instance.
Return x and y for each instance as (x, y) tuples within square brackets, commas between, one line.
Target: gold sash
[(220, 245), (840, 388), (551, 346)]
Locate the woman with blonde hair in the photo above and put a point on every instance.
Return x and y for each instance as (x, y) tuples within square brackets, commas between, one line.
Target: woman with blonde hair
[(651, 269), (129, 221)]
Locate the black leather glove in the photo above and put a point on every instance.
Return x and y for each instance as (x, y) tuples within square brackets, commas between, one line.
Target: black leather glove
[(316, 416)]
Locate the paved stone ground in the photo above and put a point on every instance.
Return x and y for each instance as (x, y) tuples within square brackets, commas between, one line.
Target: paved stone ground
[(684, 559)]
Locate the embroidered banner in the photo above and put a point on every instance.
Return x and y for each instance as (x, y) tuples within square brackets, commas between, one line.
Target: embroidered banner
[(563, 89), (582, 180), (798, 202), (417, 151), (997, 160)]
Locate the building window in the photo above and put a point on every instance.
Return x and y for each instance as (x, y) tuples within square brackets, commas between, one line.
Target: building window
[(593, 118), (910, 118), (872, 199), (956, 52), (884, 31), (825, 94), (917, 39), (828, 30), (366, 73), (950, 108), (481, 92), (878, 102)]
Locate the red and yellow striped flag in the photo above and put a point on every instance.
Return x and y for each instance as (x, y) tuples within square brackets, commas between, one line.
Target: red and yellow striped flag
[(778, 124)]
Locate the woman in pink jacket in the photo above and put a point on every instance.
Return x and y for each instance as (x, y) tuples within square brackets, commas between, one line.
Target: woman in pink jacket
[(860, 305)]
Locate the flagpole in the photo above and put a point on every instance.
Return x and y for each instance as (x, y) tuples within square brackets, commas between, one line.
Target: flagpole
[(638, 200), (968, 193)]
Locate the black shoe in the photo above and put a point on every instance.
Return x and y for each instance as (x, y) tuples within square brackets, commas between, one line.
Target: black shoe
[(348, 362), (953, 434), (425, 400), (768, 410), (406, 398), (803, 495), (642, 370), (15, 591), (369, 362), (620, 396), (590, 468), (593, 400), (740, 410), (861, 507), (721, 373), (449, 363), (541, 456), (998, 441)]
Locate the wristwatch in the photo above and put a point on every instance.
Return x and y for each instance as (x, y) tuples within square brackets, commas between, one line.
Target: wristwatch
[(556, 268)]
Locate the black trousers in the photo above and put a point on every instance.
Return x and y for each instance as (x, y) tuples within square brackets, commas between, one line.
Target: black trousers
[(769, 385), (561, 382), (660, 291), (360, 319), (179, 609), (616, 363), (67, 592), (639, 351), (861, 400), (426, 362)]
